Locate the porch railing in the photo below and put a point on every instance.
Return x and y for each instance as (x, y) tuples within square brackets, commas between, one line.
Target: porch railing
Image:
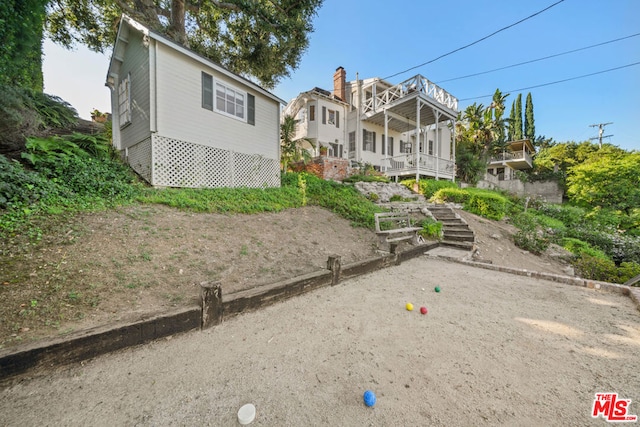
[(416, 83), (512, 155), (427, 165)]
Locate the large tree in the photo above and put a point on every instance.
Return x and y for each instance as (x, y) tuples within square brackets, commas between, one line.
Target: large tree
[(21, 43), (264, 39), (529, 125), (517, 123)]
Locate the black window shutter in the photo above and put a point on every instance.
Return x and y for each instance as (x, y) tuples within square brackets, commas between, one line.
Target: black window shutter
[(324, 115), (374, 142), (337, 119), (384, 145), (207, 91), (251, 109), (364, 139), (391, 146), (312, 113)]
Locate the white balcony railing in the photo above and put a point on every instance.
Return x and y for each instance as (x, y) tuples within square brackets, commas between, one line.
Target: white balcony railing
[(427, 165), (512, 156), (416, 83)]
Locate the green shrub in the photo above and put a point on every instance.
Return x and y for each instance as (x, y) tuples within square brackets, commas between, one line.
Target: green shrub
[(431, 229), (570, 216), (627, 271), (529, 236), (578, 247), (428, 187), (455, 195), (488, 205), (373, 197), (592, 268)]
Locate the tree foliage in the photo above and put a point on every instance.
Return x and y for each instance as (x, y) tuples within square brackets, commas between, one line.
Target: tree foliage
[(264, 39), (480, 132), (517, 120), (292, 150), (21, 28), (608, 180), (529, 124)]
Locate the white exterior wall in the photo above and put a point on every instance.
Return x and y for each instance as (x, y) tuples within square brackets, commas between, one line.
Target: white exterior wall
[(180, 114), (376, 158), (136, 65)]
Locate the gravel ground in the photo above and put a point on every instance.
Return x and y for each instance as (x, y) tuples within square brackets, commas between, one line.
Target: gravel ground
[(494, 349)]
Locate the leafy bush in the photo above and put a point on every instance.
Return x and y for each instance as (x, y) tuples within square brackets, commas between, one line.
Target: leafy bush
[(373, 197), (428, 187), (529, 236), (578, 247), (570, 215), (627, 271), (20, 188), (431, 229), (488, 205), (593, 268), (455, 195)]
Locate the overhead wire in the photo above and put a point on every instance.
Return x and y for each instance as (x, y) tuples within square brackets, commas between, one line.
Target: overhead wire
[(477, 41), (556, 82), (536, 60)]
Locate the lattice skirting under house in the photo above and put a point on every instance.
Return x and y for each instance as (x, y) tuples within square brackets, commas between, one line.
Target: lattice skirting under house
[(168, 162)]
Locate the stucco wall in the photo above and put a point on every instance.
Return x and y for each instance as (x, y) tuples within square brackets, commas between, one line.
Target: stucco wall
[(549, 191)]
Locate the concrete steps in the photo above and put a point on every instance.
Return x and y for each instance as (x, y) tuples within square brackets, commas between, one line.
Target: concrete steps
[(456, 232)]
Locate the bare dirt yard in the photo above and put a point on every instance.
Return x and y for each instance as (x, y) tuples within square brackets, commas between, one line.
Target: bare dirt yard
[(118, 265), (493, 349)]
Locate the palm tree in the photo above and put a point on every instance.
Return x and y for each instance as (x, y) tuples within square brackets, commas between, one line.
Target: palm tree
[(292, 150)]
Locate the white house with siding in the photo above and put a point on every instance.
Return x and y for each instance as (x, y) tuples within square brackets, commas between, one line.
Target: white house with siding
[(404, 130), (181, 120)]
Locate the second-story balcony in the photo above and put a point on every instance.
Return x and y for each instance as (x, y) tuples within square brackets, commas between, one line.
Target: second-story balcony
[(517, 156), (400, 104)]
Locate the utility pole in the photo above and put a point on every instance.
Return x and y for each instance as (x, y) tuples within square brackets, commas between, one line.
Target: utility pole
[(600, 127)]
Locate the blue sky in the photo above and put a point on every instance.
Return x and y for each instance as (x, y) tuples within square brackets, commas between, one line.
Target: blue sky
[(380, 38)]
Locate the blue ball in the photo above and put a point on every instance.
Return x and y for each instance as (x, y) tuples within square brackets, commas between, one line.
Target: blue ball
[(369, 398)]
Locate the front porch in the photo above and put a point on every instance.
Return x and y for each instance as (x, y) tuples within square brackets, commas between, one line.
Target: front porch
[(413, 166), (414, 107)]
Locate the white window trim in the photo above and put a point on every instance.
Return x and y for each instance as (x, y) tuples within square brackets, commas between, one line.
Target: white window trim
[(331, 117), (124, 101), (225, 85)]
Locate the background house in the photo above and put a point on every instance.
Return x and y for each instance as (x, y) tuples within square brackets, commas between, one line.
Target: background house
[(402, 130), (181, 120), (517, 156)]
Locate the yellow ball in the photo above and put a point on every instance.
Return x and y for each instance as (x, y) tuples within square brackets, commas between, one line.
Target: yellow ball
[(409, 306)]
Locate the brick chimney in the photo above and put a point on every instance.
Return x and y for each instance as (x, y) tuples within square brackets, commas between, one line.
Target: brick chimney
[(340, 83)]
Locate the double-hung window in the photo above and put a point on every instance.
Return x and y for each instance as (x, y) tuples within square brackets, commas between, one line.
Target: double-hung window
[(368, 141), (225, 99), (230, 101), (124, 100)]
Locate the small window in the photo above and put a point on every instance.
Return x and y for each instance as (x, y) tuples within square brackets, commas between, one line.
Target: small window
[(207, 91), (389, 143), (430, 148), (230, 101), (124, 100), (312, 113), (332, 117), (352, 142), (368, 141)]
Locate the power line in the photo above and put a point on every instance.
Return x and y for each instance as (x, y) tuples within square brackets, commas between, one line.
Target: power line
[(556, 82), (536, 60), (600, 127), (477, 41)]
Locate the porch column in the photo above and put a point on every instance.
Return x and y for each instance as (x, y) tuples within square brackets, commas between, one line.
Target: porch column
[(437, 138), (418, 139), (453, 145), (386, 141)]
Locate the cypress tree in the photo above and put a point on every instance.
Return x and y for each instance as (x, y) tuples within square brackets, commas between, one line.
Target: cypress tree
[(529, 126), (517, 124), (512, 119)]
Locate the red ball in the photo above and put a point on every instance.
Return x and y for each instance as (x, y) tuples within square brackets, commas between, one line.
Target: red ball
[(423, 310)]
